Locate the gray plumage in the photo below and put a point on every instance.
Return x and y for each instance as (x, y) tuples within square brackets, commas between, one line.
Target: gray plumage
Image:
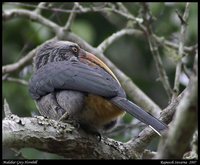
[(61, 83)]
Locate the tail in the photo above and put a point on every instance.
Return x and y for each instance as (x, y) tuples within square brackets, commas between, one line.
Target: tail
[(139, 113)]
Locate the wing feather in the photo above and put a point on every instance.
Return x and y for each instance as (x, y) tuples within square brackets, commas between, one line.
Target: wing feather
[(76, 76)]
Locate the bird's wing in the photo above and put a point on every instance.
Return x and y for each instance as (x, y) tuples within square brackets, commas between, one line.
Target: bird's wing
[(73, 75)]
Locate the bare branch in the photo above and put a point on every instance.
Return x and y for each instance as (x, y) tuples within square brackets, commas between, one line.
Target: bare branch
[(115, 36), (6, 109), (122, 7), (195, 65), (9, 14), (147, 16), (19, 64), (81, 9), (112, 8), (159, 66), (173, 45), (128, 16), (16, 80), (145, 137), (71, 17), (180, 50), (183, 127), (45, 134), (22, 62), (42, 7), (193, 153), (38, 9)]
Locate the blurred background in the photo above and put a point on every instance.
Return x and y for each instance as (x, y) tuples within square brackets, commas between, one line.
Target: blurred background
[(131, 54)]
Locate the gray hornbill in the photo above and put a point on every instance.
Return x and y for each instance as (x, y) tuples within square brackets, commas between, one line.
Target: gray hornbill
[(69, 80)]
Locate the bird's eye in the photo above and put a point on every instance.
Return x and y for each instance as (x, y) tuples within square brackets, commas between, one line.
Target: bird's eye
[(74, 49)]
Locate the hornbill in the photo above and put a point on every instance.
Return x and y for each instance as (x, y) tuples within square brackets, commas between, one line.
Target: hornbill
[(71, 82)]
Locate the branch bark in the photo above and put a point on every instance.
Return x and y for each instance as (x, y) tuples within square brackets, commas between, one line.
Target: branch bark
[(60, 138), (180, 51), (19, 64), (147, 16), (108, 41), (32, 15), (145, 137), (183, 127)]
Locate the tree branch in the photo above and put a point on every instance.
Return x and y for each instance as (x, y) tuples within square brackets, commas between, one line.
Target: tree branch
[(19, 64), (115, 36), (159, 65), (6, 109), (147, 16), (32, 15), (145, 137), (183, 127), (15, 80), (60, 138), (71, 18), (39, 7), (173, 45), (180, 51)]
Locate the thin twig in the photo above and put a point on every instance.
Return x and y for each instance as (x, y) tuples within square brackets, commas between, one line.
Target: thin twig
[(16, 80), (43, 7), (155, 52), (71, 17), (184, 125), (122, 7), (6, 109), (128, 16), (159, 66), (145, 137), (38, 9), (19, 64), (195, 65), (121, 12), (163, 41), (8, 14), (180, 50), (108, 41)]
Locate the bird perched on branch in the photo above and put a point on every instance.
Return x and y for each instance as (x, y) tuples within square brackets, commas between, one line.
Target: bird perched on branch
[(70, 82)]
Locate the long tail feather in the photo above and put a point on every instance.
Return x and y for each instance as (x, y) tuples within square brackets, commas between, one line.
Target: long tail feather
[(140, 114)]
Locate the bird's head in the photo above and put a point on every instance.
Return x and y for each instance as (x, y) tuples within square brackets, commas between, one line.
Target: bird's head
[(54, 51)]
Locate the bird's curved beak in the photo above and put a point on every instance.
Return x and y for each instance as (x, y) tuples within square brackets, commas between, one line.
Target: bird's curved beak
[(93, 59)]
